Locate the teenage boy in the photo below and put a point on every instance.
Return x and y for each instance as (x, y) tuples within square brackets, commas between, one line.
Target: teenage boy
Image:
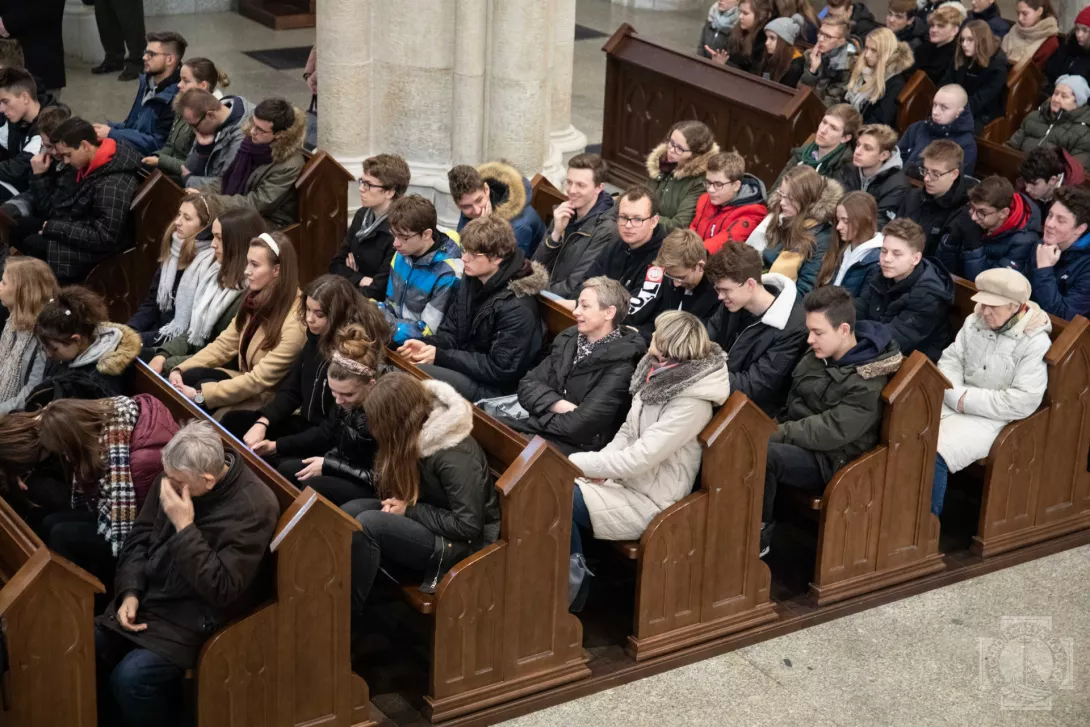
[(683, 284), (732, 206), (1060, 266), (941, 206), (876, 169), (1008, 225)]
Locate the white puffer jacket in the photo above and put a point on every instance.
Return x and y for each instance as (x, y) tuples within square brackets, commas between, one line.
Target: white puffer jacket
[(653, 461), (1003, 377)]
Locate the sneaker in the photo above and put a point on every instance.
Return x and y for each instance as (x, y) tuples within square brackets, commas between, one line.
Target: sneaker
[(107, 67), (129, 74), (766, 538)]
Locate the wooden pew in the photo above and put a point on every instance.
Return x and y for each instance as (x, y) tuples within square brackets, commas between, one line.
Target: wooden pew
[(287, 664), (997, 158), (1023, 91), (544, 197), (650, 87), (47, 611), (914, 100), (501, 624), (322, 190)]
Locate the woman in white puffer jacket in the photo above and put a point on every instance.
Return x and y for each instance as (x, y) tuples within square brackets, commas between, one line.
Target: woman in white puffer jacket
[(997, 369)]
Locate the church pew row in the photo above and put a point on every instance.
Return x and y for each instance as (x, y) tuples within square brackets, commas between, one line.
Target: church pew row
[(914, 100), (287, 664), (1024, 85), (47, 608)]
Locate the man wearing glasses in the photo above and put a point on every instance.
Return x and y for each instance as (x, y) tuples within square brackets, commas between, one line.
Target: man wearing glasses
[(940, 208), (1009, 227), (829, 62), (151, 116), (218, 133)]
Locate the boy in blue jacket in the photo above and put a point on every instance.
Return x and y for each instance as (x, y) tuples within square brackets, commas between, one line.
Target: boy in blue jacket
[(950, 119), (1059, 270)]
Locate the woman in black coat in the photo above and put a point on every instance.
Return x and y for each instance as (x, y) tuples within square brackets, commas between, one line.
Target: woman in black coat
[(980, 67), (37, 25), (1071, 58)]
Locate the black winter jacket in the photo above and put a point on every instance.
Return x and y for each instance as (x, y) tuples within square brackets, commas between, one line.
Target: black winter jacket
[(23, 142), (97, 373), (55, 189), (37, 25), (1069, 59), (353, 453), (914, 309), (987, 87), (492, 333), (889, 186), (569, 260), (935, 60), (659, 294), (975, 252), (305, 389), (192, 582), (940, 216), (762, 351), (620, 262), (149, 317), (597, 385), (995, 21), (914, 33), (373, 253)]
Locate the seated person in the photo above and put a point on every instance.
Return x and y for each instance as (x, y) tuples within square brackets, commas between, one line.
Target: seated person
[(997, 371), (182, 241), (936, 54), (581, 226), (834, 407), (424, 273), (988, 11), (855, 245), (170, 158), (722, 17), (56, 182), (499, 188), (148, 124), (1061, 121), (876, 169), (909, 294), (217, 279), (367, 250), (675, 169), (732, 206), (1033, 39), (491, 333), (981, 69), (92, 223), (632, 251), (746, 48), (653, 460), (260, 345), (1043, 171), (264, 171), (906, 23), (832, 146), (794, 237), (87, 355), (1072, 57), (783, 62), (679, 268), (761, 325), (578, 396), (435, 502), (950, 119), (803, 14), (20, 138), (878, 77), (1008, 226), (858, 16), (186, 571), (218, 133), (828, 65), (1059, 267), (26, 286), (941, 207)]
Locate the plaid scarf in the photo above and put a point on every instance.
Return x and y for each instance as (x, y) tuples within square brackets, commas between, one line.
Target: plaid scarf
[(584, 348), (116, 492)]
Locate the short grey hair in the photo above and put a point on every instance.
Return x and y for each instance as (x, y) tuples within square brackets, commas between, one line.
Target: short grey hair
[(196, 448), (610, 293)]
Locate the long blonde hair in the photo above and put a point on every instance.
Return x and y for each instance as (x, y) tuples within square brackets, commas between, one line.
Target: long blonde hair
[(206, 211), (35, 285), (873, 87)]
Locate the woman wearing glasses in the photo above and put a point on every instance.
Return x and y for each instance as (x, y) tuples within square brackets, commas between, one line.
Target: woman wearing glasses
[(676, 170)]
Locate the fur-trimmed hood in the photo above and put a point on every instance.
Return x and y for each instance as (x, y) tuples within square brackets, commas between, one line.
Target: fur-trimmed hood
[(902, 59), (694, 166), (705, 378), (875, 353), (824, 210), (532, 284), (449, 422), (115, 347), (289, 142), (512, 180)]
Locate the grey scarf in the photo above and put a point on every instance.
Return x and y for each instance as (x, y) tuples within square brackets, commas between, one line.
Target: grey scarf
[(212, 302), (722, 20), (368, 224), (669, 380), (15, 345), (165, 295), (204, 265)]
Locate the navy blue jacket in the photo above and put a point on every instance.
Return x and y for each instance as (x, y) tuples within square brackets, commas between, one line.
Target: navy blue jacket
[(148, 124), (922, 133), (914, 309), (1064, 289), (511, 200), (995, 21), (1011, 248)]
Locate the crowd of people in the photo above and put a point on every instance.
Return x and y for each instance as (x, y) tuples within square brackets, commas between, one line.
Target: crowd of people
[(805, 296)]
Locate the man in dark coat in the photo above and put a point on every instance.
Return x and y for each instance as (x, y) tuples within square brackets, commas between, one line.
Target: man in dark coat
[(492, 330), (120, 25), (681, 284), (580, 228), (22, 107), (950, 119), (189, 566), (906, 23), (876, 169), (1059, 269), (761, 325), (989, 13), (909, 294), (1008, 225), (941, 207), (37, 25), (577, 398), (630, 254)]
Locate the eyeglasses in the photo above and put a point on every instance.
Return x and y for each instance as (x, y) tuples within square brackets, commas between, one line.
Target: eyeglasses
[(978, 214), (366, 186), (631, 221), (405, 238), (714, 186), (468, 255), (151, 54), (822, 35), (676, 147), (926, 173)]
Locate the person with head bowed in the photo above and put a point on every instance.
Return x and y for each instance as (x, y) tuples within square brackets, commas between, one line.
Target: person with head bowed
[(940, 207), (1045, 170), (1063, 121), (26, 288), (987, 11)]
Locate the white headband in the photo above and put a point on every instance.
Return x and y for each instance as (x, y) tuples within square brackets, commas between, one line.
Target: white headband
[(268, 240)]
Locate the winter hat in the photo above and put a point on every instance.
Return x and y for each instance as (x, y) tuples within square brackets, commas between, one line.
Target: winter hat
[(786, 28), (1083, 18), (1001, 286), (1078, 86)]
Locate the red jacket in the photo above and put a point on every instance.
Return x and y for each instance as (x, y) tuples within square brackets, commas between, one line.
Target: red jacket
[(154, 428), (733, 222)]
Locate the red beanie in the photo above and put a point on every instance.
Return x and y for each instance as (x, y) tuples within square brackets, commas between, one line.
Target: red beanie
[(1083, 18)]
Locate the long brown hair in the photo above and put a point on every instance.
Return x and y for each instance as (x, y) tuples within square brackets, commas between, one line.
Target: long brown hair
[(205, 71), (273, 304), (205, 208), (238, 226), (985, 44), (740, 42), (34, 284), (343, 304), (73, 311), (779, 63), (862, 213), (787, 8), (396, 411), (21, 450), (806, 187), (72, 429)]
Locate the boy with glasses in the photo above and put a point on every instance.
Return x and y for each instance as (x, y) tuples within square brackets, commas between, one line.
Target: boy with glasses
[(684, 286), (218, 133), (1009, 227), (940, 208), (829, 62), (732, 206)]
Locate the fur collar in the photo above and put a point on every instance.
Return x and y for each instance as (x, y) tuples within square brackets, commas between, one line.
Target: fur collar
[(886, 366), (510, 177), (531, 284), (668, 384), (824, 210), (115, 362), (290, 142), (450, 420), (902, 59), (694, 166)]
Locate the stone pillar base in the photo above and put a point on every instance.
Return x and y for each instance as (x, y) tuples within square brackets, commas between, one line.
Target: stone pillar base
[(563, 145), (80, 33)]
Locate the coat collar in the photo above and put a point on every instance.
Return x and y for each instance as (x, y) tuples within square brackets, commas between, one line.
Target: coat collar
[(449, 422), (779, 313), (694, 166)]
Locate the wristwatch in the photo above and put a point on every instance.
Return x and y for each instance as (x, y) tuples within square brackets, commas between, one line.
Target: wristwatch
[(199, 398)]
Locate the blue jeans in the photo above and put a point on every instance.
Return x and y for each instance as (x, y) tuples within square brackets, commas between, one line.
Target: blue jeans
[(580, 517), (137, 687), (938, 489)]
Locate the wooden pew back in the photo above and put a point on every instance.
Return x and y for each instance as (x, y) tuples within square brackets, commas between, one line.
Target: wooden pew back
[(322, 189), (1023, 90), (914, 101), (544, 197)]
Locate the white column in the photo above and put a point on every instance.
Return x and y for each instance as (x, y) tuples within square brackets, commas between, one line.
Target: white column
[(565, 141), (664, 4), (1067, 10), (345, 77)]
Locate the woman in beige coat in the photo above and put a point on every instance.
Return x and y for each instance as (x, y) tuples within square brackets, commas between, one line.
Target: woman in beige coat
[(263, 340)]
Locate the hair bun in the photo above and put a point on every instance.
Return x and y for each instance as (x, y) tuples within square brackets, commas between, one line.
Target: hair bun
[(224, 80), (354, 342)]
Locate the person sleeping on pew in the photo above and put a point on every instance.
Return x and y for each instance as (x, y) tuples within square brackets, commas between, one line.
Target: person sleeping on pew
[(675, 281), (191, 565), (832, 146), (214, 286), (344, 471), (876, 169), (732, 206), (187, 237), (1008, 225), (761, 325), (492, 332), (1063, 121), (997, 371), (578, 396), (879, 76), (1073, 55), (1059, 267), (980, 67), (855, 245), (219, 132), (1043, 171), (950, 119), (941, 206), (834, 408), (653, 460), (26, 287), (675, 170), (264, 339), (87, 355), (331, 306), (745, 48), (435, 502)]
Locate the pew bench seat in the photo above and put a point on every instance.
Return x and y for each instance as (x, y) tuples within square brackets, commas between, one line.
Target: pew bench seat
[(628, 548), (409, 590)]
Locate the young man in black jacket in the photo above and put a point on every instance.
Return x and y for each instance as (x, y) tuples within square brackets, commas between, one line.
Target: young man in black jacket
[(941, 207), (364, 256), (908, 293), (492, 332), (761, 325), (21, 138), (629, 256), (682, 284), (876, 169), (906, 23)]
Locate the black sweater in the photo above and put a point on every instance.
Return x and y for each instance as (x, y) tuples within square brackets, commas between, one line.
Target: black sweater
[(304, 389)]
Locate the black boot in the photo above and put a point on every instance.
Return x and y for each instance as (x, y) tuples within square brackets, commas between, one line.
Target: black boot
[(108, 66)]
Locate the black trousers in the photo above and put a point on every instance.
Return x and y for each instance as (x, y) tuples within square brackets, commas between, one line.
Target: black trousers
[(120, 24), (467, 387), (74, 535), (386, 538), (337, 490), (792, 466)]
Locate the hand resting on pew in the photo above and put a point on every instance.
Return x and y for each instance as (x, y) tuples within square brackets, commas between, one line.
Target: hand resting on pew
[(417, 351)]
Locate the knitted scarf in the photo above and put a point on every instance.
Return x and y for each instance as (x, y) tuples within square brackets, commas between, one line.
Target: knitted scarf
[(250, 156), (13, 349), (722, 19), (1021, 43), (199, 279), (116, 491), (166, 297)]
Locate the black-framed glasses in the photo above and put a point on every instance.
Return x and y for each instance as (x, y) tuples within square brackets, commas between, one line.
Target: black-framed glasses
[(714, 186), (631, 221), (926, 173), (366, 186), (978, 214), (676, 147), (405, 238), (151, 54)]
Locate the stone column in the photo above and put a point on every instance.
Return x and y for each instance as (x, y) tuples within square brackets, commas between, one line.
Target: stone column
[(80, 33), (1067, 10), (345, 78), (564, 139), (668, 5)]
